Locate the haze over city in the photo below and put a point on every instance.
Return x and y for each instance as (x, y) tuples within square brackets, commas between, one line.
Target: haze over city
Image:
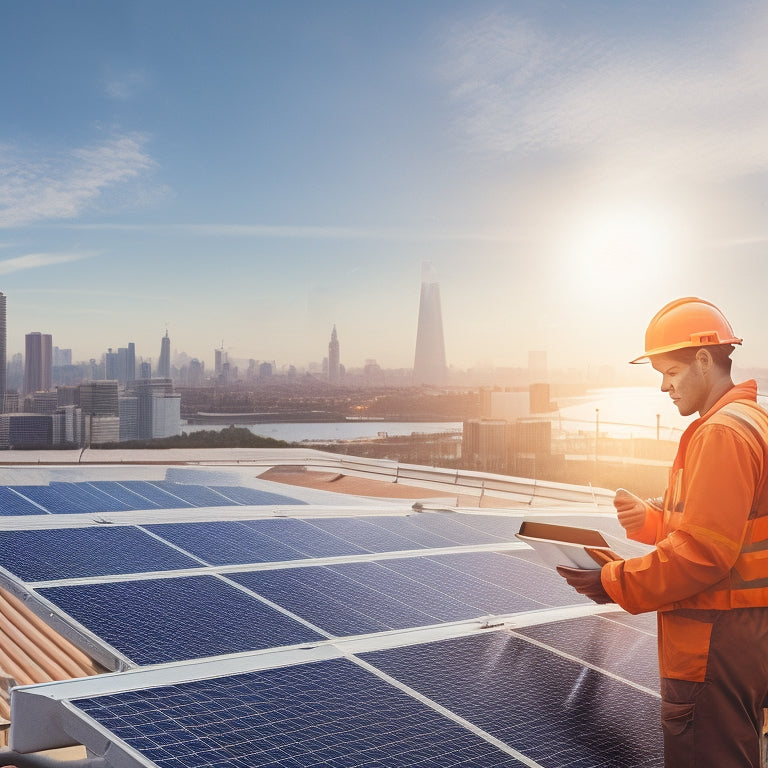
[(249, 174)]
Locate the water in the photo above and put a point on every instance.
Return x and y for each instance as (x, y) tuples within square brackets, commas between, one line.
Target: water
[(331, 431), (621, 412)]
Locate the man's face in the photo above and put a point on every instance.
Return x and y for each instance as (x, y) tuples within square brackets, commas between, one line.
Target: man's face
[(685, 382)]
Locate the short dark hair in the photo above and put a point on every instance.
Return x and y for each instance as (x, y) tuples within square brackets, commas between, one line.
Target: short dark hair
[(721, 355)]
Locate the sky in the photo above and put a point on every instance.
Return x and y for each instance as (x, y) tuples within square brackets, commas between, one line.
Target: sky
[(246, 174)]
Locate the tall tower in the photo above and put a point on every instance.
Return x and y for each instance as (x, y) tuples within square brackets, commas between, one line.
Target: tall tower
[(429, 361), (3, 369), (38, 359), (164, 363), (333, 358)]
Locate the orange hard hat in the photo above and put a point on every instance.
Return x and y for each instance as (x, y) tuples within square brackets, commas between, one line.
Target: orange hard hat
[(688, 322)]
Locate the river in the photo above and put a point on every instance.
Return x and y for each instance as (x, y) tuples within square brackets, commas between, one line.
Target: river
[(619, 412)]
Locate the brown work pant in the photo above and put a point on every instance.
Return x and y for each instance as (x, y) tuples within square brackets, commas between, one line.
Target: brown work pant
[(717, 723)]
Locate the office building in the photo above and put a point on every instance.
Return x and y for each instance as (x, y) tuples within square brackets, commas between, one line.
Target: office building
[(99, 398), (128, 405), (195, 373), (158, 409), (26, 430), (429, 361), (41, 402), (164, 363), (38, 362), (333, 358), (110, 365)]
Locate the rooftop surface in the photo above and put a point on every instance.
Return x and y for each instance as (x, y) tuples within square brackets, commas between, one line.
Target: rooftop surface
[(264, 612)]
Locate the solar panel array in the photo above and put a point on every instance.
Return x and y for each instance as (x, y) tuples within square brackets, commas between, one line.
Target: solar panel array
[(113, 496), (554, 686)]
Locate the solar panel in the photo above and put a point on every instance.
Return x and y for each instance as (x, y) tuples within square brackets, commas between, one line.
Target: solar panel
[(259, 541), (424, 530), (557, 711), (162, 620), (355, 598), (318, 715), (122, 494), (12, 503), (608, 644), (253, 497), (67, 553)]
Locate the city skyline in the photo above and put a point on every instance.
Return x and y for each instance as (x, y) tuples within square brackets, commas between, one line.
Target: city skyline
[(258, 172)]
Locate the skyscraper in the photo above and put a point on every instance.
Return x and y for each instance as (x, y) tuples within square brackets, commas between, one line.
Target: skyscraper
[(429, 361), (164, 363), (333, 358), (3, 368), (38, 359)]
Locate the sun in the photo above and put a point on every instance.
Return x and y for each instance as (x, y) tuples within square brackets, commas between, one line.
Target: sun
[(617, 247)]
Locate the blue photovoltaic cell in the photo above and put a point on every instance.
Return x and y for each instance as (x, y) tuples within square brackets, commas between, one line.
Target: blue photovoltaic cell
[(151, 492), (554, 710), (161, 620), (422, 530), (80, 497), (252, 541), (356, 598), (253, 497), (122, 494), (610, 645), (304, 537), (68, 553), (329, 714), (44, 496), (12, 503), (197, 495)]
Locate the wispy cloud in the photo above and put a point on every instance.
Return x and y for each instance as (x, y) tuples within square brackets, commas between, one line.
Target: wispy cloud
[(125, 86), (688, 105), (37, 260), (62, 187), (311, 232)]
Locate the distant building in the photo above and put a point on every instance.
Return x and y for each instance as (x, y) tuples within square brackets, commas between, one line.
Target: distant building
[(128, 407), (99, 398), (145, 371), (218, 361), (68, 427), (26, 430), (41, 402), (429, 361), (164, 363), (3, 348), (110, 365), (38, 362), (195, 373), (125, 370), (61, 357), (333, 358), (158, 408)]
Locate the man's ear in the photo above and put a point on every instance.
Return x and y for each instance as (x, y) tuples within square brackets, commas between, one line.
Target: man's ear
[(705, 360)]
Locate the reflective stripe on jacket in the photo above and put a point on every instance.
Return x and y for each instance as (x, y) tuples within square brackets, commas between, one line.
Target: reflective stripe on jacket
[(712, 535)]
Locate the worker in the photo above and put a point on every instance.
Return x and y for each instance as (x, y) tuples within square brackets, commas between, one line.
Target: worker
[(707, 576)]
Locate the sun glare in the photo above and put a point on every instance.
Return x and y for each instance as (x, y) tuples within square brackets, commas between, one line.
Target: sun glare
[(617, 248)]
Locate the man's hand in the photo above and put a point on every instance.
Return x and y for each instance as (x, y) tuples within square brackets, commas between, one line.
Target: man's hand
[(630, 510), (585, 582)]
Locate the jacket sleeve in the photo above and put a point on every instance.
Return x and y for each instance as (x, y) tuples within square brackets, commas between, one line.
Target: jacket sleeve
[(648, 533), (709, 522)]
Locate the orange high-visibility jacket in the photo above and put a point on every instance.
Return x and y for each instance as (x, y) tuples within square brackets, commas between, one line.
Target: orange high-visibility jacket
[(711, 535)]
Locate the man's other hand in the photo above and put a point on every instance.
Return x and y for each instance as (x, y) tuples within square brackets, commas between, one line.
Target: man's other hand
[(630, 510), (585, 582)]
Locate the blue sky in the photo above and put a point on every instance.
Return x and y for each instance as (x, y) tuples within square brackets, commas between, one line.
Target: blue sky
[(250, 173)]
